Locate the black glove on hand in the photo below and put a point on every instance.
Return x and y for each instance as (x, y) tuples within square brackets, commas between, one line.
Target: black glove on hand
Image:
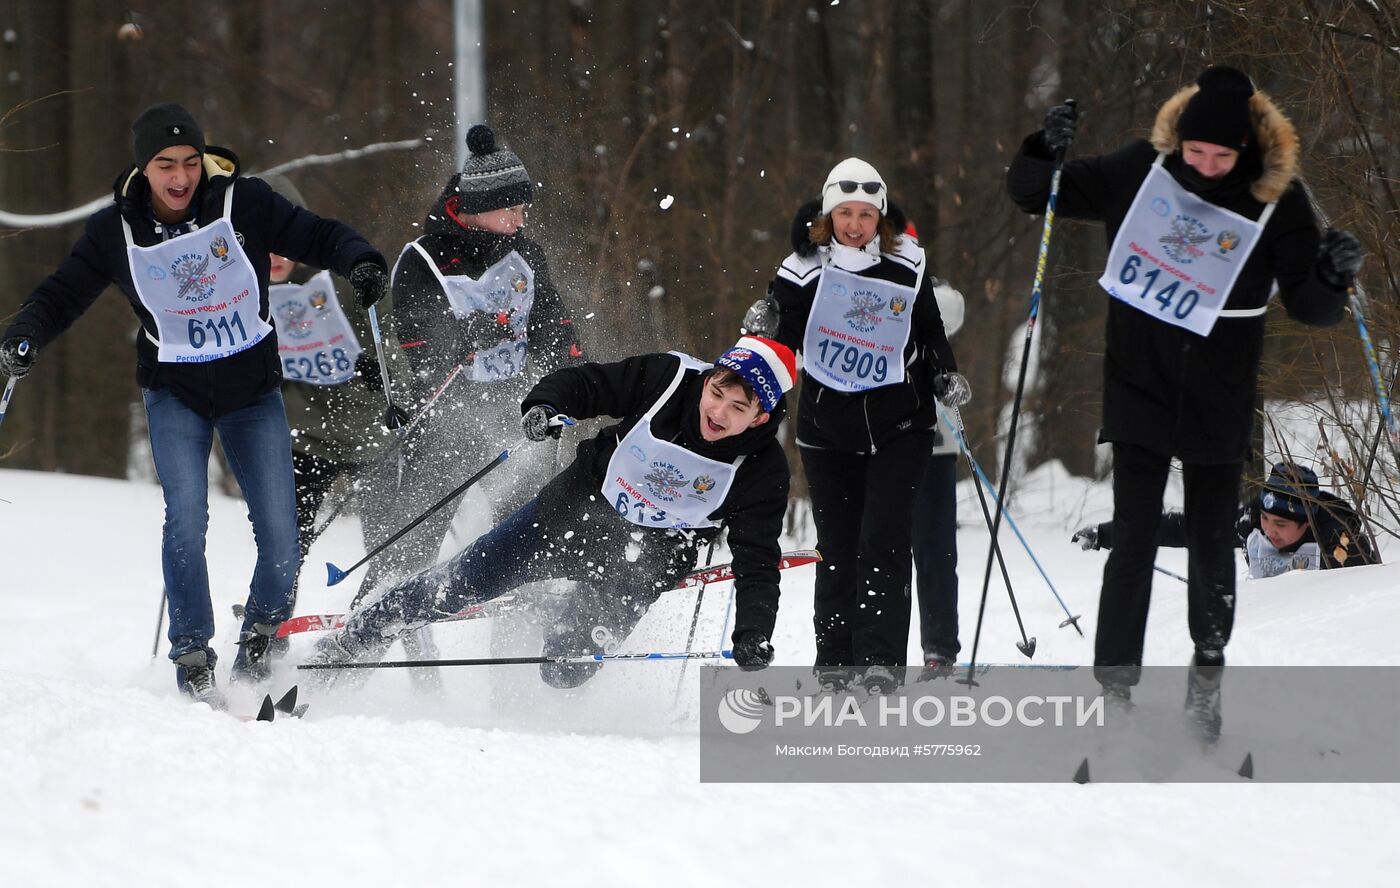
[(535, 422), (1061, 123), (485, 330), (1338, 258), (1086, 537), (367, 369), (368, 281), (752, 651), (12, 362), (952, 389), (761, 319)]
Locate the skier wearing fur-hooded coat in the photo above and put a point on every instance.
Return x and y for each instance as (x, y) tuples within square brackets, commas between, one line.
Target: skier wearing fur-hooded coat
[(1171, 391)]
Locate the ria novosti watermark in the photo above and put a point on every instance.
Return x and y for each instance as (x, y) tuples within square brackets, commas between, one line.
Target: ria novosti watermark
[(1038, 724)]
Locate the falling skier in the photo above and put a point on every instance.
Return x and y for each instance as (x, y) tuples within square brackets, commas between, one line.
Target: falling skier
[(696, 448)]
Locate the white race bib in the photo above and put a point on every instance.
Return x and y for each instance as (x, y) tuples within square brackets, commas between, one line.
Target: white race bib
[(201, 290), (505, 290), (1176, 256), (856, 331), (654, 483), (314, 338), (1266, 561)]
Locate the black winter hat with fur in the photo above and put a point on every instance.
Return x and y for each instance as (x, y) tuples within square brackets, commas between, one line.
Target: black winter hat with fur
[(1219, 112), (161, 126), (492, 178)]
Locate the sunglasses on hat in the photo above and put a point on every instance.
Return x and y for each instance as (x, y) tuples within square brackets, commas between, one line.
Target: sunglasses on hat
[(848, 186)]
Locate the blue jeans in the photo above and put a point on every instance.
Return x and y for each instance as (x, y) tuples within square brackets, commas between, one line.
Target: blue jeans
[(257, 442)]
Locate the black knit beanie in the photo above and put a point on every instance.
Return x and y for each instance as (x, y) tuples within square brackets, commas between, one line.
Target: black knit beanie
[(1219, 112), (492, 178), (161, 126)]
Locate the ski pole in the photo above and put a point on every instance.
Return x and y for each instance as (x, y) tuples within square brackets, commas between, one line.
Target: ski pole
[(334, 574), (399, 441), (695, 619), (22, 349), (1356, 296), (391, 414), (160, 624), (1174, 576), (1025, 645), (1070, 618), (525, 661), (1036, 287)]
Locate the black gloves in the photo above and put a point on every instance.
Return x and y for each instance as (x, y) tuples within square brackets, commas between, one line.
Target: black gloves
[(761, 319), (368, 281), (1338, 258), (367, 369), (1086, 537), (752, 651), (1061, 122), (14, 360), (535, 422), (486, 330), (952, 388)]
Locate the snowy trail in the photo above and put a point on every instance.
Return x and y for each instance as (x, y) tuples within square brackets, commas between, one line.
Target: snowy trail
[(108, 778)]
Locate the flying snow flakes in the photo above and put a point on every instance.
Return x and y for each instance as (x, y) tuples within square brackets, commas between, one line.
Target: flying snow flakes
[(666, 202)]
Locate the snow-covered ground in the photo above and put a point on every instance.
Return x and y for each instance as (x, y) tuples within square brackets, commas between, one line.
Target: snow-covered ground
[(107, 777)]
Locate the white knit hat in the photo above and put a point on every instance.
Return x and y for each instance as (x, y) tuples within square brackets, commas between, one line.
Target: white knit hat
[(858, 176)]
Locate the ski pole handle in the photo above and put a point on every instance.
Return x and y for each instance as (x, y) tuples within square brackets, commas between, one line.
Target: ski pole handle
[(22, 349)]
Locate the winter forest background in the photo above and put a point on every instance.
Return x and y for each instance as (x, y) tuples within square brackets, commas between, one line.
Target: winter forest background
[(736, 110)]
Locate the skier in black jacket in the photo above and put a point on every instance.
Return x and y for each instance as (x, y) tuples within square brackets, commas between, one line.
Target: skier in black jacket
[(695, 449), (187, 243), (1291, 525), (857, 299), (473, 292), (1202, 220)]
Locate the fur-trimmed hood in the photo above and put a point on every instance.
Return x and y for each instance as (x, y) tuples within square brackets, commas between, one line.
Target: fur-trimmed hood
[(1275, 137)]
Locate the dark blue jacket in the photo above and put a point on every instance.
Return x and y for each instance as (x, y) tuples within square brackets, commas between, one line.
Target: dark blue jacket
[(265, 223)]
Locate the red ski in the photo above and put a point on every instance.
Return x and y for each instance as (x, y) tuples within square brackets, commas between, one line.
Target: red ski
[(704, 576)]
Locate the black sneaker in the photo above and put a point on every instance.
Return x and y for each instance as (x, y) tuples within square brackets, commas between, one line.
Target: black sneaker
[(258, 648), (195, 678)]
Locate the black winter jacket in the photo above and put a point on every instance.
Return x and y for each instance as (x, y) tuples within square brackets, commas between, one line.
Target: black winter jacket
[(264, 221), (434, 340), (1165, 388), (861, 422), (753, 510)]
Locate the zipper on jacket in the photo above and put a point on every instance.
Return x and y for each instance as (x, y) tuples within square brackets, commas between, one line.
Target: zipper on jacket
[(869, 433)]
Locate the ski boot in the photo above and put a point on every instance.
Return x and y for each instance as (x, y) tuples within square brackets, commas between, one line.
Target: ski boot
[(258, 648), (833, 679), (879, 680), (194, 675), (938, 665), (1202, 705)]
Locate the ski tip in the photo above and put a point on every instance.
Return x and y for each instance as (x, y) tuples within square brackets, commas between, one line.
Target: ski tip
[(1081, 775), (1247, 766), (333, 574), (288, 703), (266, 712)]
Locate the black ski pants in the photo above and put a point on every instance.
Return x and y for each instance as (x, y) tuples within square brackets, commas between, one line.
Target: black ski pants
[(863, 507), (1212, 502)]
